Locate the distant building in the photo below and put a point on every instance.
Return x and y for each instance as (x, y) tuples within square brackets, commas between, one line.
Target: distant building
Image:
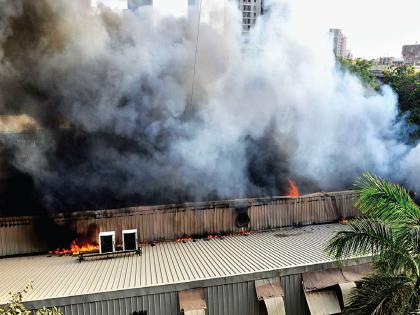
[(383, 64), (340, 43), (389, 61), (250, 10), (411, 53), (378, 70), (398, 62), (135, 4)]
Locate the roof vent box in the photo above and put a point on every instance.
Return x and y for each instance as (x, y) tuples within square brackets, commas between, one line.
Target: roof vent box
[(107, 242), (130, 241)]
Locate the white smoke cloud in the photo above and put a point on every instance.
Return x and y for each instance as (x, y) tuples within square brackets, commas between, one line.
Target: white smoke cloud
[(273, 107)]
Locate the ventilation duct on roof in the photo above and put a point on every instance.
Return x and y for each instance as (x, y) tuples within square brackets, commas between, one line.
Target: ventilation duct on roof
[(323, 301), (242, 217), (346, 291), (192, 302), (321, 287), (271, 292)]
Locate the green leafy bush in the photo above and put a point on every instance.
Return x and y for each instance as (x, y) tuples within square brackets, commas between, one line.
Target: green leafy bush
[(15, 305), (361, 68), (406, 83)]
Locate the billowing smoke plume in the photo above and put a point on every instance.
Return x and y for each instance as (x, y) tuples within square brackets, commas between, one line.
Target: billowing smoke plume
[(110, 96)]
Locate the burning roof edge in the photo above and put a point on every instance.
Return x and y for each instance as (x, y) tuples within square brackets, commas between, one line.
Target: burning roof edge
[(199, 205)]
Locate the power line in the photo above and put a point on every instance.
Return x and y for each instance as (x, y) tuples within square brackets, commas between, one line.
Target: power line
[(190, 105)]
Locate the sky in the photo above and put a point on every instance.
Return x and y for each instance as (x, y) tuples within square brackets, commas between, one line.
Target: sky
[(374, 28)]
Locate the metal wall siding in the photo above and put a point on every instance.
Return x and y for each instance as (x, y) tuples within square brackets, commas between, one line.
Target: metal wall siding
[(294, 298), (155, 223), (235, 299), (154, 304), (230, 299), (17, 236)]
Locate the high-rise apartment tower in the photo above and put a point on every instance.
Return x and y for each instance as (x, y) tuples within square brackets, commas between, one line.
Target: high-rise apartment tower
[(250, 10), (340, 43)]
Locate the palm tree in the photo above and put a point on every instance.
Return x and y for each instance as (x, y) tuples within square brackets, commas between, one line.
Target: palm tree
[(389, 229)]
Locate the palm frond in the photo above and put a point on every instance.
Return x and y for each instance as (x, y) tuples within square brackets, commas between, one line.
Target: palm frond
[(382, 294), (409, 234), (397, 262), (390, 232), (367, 236), (384, 200), (363, 237)]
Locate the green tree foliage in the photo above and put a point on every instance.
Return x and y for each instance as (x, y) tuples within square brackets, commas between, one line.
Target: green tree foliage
[(361, 68), (406, 82), (390, 230), (16, 307)]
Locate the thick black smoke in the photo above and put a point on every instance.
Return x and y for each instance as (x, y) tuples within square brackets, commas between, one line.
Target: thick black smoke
[(106, 131), (103, 102)]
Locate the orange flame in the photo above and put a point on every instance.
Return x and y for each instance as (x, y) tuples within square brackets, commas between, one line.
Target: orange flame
[(184, 239), (76, 248), (293, 190)]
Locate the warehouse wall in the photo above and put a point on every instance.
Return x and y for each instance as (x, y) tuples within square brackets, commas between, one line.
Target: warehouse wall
[(168, 222), (229, 299), (241, 298), (18, 236), (154, 304)]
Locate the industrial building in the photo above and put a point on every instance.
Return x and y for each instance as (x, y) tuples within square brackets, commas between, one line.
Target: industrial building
[(247, 256), (411, 54)]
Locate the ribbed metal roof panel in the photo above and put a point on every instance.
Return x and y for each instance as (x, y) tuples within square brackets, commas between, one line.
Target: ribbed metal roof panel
[(168, 263)]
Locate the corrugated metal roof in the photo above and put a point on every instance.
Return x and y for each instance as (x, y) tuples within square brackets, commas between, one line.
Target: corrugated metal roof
[(168, 263)]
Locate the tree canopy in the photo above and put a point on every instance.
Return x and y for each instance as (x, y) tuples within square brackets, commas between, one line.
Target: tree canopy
[(404, 80), (361, 68), (406, 83)]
